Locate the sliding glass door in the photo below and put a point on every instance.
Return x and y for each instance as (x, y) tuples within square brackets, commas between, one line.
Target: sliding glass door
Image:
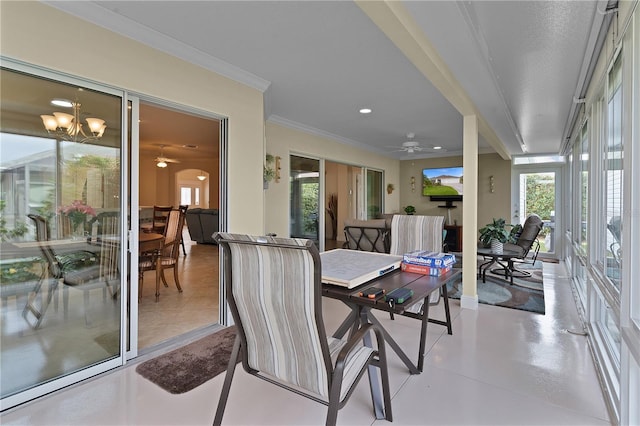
[(62, 232), (536, 190), (304, 184)]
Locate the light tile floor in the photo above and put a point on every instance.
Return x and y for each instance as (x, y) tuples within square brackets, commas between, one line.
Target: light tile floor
[(500, 367)]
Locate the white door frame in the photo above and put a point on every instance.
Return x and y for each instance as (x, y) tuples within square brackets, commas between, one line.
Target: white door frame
[(516, 171)]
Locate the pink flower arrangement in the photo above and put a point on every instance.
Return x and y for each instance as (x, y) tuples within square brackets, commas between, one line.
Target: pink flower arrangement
[(77, 212)]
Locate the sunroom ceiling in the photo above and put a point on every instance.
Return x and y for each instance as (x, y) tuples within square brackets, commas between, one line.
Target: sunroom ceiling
[(521, 63)]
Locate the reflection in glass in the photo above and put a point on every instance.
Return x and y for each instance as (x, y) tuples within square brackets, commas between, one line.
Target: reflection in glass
[(60, 235)]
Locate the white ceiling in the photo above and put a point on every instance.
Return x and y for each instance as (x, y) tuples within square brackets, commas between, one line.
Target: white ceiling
[(520, 62)]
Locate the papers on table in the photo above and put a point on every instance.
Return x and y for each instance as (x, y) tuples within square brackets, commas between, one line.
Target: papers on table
[(350, 268)]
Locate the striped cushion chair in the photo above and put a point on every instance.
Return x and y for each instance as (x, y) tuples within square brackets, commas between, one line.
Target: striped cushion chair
[(274, 293), (416, 232)]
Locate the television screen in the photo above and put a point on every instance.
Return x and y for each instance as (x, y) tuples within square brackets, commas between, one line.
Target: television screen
[(443, 181)]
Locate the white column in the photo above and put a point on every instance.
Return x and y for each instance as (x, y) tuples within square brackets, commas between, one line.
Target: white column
[(469, 297)]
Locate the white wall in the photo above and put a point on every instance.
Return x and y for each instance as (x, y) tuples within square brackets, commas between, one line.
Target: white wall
[(283, 141), (38, 34)]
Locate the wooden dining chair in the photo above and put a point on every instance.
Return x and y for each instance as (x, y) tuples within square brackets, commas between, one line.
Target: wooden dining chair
[(183, 209), (170, 251), (274, 292), (160, 214)]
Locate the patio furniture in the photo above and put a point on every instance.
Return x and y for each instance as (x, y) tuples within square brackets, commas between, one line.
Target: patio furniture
[(275, 296)]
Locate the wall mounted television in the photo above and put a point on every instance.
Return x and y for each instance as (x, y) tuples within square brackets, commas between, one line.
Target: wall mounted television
[(443, 184)]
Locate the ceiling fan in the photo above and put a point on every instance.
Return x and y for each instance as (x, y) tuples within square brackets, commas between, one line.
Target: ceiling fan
[(161, 160), (411, 146)]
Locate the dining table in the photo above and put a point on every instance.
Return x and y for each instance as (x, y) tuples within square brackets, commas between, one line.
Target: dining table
[(362, 308)]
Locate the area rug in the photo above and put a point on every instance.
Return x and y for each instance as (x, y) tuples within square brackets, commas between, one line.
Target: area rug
[(526, 294), (186, 368)]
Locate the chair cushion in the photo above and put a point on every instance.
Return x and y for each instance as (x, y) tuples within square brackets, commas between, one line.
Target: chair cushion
[(514, 247), (355, 362)]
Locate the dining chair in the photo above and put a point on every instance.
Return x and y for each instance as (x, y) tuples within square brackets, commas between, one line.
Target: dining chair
[(160, 214), (183, 209), (273, 288), (170, 251), (417, 232)]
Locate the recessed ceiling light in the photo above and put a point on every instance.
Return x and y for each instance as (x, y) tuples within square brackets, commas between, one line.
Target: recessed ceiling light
[(190, 146), (365, 111), (437, 147)]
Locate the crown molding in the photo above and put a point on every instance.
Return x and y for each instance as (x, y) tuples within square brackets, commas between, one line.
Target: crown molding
[(119, 24), (276, 119)]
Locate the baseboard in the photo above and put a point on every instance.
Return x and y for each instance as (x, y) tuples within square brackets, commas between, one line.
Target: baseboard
[(469, 302)]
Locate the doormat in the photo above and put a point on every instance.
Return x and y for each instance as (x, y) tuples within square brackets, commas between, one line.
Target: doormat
[(186, 368), (526, 293)]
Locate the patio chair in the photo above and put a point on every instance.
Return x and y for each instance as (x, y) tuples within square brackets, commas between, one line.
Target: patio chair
[(417, 232), (275, 296), (526, 243), (615, 227), (366, 235), (81, 269)]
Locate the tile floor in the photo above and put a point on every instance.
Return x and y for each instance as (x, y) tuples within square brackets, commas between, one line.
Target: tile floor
[(500, 367)]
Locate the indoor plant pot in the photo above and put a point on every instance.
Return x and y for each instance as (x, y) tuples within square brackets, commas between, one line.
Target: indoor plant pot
[(495, 231)]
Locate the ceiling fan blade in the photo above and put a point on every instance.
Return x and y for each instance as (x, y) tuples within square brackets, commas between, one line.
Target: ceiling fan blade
[(166, 160)]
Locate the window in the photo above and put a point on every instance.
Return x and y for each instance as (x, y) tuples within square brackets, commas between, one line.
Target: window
[(583, 184), (612, 176)]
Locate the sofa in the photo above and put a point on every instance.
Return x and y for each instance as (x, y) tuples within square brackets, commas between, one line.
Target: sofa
[(202, 224)]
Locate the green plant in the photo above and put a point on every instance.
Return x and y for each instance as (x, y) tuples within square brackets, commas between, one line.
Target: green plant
[(409, 210), (494, 231), (515, 232), (268, 172), (6, 233)]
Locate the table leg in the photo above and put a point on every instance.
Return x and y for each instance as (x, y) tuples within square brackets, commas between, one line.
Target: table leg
[(447, 313), (158, 272), (350, 322), (423, 333), (484, 270), (394, 345)]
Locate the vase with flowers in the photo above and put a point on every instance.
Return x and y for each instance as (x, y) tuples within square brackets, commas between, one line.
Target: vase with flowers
[(77, 213)]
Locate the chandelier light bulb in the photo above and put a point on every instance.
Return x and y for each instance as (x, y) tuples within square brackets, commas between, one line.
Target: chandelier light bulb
[(68, 126)]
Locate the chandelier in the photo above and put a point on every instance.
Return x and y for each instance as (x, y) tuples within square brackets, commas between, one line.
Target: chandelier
[(68, 126), (201, 176)]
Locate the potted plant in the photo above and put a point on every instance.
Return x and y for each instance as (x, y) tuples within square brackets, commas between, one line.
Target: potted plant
[(410, 210), (495, 235)]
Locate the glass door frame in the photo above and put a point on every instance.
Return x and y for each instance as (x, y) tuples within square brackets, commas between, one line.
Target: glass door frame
[(557, 169), (108, 364)]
